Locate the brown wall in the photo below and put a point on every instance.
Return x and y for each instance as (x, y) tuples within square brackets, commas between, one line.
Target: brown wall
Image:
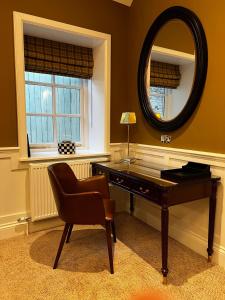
[(100, 15), (205, 130), (177, 36)]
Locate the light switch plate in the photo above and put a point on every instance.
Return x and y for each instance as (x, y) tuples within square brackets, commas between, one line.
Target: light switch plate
[(166, 139)]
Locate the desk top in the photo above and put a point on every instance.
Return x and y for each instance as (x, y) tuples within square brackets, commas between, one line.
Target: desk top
[(144, 179), (148, 171)]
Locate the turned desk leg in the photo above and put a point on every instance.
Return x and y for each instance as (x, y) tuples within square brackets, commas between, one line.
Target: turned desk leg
[(212, 214), (131, 204), (164, 236)]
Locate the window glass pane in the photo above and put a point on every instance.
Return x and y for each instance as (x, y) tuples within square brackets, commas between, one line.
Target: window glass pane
[(157, 90), (38, 99), (67, 101), (38, 77), (157, 104), (67, 80), (68, 129), (40, 129), (50, 99), (157, 100)]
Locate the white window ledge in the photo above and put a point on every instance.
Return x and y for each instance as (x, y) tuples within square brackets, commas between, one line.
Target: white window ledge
[(54, 155)]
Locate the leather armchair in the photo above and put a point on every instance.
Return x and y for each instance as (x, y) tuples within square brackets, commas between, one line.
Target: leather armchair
[(84, 202)]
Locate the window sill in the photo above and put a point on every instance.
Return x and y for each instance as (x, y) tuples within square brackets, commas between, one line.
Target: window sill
[(54, 155)]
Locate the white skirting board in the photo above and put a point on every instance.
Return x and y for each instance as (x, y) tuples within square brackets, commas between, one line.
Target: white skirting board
[(13, 229)]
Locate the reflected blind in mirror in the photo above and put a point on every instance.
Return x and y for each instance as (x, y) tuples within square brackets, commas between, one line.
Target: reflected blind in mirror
[(164, 75)]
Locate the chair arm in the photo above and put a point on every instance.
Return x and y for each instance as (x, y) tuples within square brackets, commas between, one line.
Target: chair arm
[(95, 183), (83, 208)]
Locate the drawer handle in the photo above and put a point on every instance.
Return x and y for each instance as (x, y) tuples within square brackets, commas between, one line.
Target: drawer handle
[(143, 191), (119, 180)]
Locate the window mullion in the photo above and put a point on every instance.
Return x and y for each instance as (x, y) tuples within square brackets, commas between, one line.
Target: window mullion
[(54, 109), (39, 114), (38, 83), (83, 111)]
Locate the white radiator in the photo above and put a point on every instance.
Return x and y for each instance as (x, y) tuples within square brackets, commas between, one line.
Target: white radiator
[(42, 202)]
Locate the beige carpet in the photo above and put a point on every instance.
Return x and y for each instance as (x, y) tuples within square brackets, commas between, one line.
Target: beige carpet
[(26, 266)]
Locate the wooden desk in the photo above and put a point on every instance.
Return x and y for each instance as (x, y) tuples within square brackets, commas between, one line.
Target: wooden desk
[(144, 179)]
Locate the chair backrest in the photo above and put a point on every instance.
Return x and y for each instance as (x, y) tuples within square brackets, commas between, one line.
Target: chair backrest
[(83, 210), (64, 176), (62, 179)]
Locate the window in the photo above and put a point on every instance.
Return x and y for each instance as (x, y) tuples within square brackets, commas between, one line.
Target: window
[(95, 117), (55, 107), (159, 100)]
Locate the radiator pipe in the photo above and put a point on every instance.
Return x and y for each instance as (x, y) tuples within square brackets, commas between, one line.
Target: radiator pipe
[(24, 219)]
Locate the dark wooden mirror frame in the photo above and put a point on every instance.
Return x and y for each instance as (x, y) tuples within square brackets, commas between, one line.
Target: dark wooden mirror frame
[(201, 63)]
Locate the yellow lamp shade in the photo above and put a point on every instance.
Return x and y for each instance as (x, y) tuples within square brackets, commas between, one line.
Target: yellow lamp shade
[(128, 118)]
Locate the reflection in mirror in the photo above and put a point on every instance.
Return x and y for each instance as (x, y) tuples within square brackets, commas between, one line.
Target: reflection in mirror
[(171, 70)]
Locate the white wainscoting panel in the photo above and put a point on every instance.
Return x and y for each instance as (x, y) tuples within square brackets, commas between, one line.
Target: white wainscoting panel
[(15, 193)]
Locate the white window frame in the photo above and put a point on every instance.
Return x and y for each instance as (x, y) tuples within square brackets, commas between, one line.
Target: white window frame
[(99, 130), (83, 111)]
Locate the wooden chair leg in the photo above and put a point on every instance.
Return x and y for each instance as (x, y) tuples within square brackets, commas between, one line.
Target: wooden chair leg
[(113, 231), (65, 231), (69, 233), (109, 244)]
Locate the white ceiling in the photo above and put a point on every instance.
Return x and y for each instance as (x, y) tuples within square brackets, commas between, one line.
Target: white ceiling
[(125, 2)]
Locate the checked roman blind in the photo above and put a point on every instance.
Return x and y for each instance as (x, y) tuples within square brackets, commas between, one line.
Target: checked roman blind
[(164, 75), (52, 57)]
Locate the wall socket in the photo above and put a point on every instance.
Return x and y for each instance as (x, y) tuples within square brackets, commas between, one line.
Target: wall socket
[(166, 139)]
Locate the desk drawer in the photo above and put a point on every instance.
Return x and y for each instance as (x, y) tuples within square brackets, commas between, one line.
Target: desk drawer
[(99, 172), (119, 180), (146, 191)]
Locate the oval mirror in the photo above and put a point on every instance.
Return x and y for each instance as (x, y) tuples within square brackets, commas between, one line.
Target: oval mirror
[(172, 68)]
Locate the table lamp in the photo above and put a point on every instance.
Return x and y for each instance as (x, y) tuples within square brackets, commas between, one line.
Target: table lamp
[(128, 118)]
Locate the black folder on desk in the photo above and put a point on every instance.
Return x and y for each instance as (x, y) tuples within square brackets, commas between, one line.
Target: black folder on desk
[(191, 170)]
